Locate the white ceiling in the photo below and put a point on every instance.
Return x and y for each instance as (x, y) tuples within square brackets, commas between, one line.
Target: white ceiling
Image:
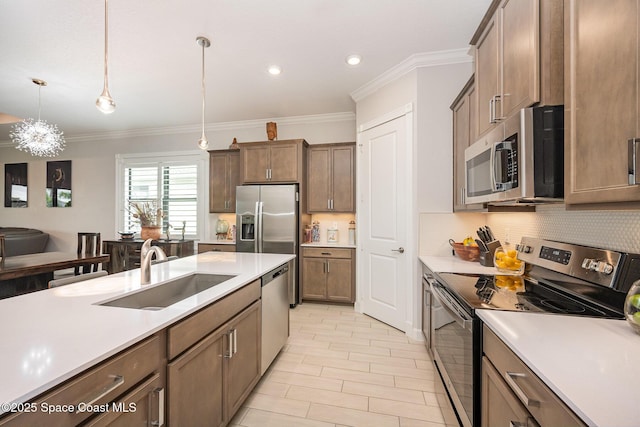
[(155, 63)]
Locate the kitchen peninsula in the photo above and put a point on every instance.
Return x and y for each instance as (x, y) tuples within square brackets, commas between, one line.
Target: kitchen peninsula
[(54, 335)]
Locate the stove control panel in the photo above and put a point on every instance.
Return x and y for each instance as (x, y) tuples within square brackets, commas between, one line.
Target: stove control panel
[(598, 266)]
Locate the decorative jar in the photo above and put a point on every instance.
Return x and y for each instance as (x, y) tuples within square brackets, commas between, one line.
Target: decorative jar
[(506, 261), (150, 232), (632, 306)]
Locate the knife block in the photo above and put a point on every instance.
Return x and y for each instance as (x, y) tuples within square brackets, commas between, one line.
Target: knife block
[(486, 258)]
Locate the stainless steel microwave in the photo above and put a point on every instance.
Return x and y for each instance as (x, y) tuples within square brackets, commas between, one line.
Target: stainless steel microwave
[(521, 160)]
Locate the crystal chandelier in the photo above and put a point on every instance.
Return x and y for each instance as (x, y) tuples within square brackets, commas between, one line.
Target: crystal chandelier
[(37, 136), (202, 142)]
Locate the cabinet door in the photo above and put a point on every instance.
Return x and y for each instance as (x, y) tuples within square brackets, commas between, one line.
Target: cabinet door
[(218, 182), (520, 55), (254, 163), (233, 180), (499, 406), (318, 179), (342, 178), (487, 76), (340, 280), (461, 126), (601, 99), (284, 162), (243, 365), (143, 406), (314, 279), (195, 383)]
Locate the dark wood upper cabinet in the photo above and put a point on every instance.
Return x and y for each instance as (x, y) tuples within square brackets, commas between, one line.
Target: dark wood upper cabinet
[(601, 102), (272, 161), (224, 176), (331, 178), (518, 59)]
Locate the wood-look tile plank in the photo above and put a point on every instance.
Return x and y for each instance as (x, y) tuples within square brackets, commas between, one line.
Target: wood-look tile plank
[(326, 397), (351, 417)]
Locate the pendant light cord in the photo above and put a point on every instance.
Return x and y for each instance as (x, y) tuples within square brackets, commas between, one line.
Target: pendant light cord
[(39, 99), (203, 89), (106, 41)]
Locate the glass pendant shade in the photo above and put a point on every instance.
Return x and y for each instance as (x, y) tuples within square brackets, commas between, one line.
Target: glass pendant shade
[(203, 143), (105, 102), (37, 136)]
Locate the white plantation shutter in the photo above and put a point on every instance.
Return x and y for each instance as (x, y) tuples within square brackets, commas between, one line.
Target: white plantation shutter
[(172, 185)]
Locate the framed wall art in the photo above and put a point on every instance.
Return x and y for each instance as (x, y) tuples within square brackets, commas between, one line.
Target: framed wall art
[(15, 185), (59, 184)]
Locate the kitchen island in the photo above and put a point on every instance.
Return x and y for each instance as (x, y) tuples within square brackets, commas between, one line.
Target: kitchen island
[(52, 335)]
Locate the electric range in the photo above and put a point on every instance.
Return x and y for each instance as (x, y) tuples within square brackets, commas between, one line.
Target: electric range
[(560, 279)]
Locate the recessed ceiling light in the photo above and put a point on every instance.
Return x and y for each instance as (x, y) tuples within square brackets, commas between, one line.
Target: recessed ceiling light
[(353, 59), (274, 70)]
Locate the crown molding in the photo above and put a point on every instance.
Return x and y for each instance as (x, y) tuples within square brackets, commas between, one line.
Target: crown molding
[(222, 126), (419, 60)]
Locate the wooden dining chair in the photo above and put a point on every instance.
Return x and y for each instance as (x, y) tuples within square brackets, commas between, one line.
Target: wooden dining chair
[(2, 255), (88, 245), (75, 279)]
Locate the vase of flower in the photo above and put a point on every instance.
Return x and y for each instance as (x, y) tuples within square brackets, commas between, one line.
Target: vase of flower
[(150, 219), (150, 232)]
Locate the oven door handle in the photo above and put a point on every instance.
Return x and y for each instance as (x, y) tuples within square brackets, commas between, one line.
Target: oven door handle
[(457, 312)]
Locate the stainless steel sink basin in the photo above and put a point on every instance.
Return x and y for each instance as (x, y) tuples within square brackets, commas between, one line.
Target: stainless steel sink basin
[(163, 295)]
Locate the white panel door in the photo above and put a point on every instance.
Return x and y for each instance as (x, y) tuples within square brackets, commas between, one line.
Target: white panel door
[(383, 217)]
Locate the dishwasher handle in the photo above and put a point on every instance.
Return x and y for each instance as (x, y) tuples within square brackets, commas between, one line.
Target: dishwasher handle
[(274, 274)]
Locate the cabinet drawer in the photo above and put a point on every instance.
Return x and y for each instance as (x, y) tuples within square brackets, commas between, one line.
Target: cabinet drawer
[(97, 386), (206, 247), (326, 252), (544, 405), (195, 327)]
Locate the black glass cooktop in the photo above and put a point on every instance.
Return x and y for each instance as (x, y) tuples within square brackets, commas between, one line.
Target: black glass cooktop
[(518, 293)]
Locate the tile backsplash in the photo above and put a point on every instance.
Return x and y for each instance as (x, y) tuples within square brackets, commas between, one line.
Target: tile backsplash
[(617, 230), (327, 220)]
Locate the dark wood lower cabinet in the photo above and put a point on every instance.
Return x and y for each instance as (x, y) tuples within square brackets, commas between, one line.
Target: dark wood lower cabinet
[(196, 384), (328, 274), (209, 383)]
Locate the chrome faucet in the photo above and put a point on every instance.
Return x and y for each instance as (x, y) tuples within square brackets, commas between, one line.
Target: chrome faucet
[(146, 253)]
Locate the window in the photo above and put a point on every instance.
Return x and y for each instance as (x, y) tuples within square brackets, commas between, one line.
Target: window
[(171, 183)]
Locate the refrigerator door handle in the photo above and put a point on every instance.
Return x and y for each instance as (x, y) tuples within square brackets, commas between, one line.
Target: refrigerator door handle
[(259, 230), (256, 235)]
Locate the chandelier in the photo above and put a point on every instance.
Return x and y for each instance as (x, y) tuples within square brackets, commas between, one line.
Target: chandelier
[(204, 42), (37, 136)]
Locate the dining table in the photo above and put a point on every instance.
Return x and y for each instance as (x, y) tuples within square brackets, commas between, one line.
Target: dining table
[(22, 274)]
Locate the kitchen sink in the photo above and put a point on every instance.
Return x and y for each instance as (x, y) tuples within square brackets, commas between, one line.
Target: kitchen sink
[(163, 295)]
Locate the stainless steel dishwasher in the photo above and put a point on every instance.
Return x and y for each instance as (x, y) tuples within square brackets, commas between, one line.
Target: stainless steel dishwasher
[(275, 313)]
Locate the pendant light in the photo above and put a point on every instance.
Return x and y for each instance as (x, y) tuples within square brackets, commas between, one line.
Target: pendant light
[(204, 42), (37, 136), (105, 102)]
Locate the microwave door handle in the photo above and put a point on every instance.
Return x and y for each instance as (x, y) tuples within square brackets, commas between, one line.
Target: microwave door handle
[(492, 166)]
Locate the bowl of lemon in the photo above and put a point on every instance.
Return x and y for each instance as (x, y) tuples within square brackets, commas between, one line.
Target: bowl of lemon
[(506, 261)]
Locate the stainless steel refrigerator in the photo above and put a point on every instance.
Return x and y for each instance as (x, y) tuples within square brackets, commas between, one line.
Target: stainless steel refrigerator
[(267, 219)]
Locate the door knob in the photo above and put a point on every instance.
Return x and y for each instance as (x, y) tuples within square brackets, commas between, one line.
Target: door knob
[(400, 249)]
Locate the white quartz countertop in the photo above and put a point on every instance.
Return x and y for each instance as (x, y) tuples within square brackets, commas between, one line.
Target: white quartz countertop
[(49, 336), (592, 364), (453, 264)]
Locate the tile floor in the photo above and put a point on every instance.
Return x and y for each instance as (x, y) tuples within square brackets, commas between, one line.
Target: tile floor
[(341, 368)]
